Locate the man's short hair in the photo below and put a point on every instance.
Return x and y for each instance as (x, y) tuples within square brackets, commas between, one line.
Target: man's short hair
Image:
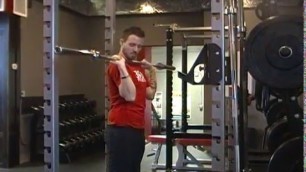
[(133, 30)]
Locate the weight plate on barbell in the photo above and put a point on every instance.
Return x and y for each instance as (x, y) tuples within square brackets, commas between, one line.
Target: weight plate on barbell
[(288, 157), (274, 52)]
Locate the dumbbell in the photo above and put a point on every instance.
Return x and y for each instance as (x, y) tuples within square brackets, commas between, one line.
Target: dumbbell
[(64, 129), (62, 111), (86, 139), (95, 136), (91, 137), (66, 125), (101, 134), (73, 126), (97, 121), (81, 124), (76, 142), (66, 145), (74, 108), (91, 104), (37, 109)]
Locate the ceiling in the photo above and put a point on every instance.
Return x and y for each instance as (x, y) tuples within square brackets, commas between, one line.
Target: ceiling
[(127, 7)]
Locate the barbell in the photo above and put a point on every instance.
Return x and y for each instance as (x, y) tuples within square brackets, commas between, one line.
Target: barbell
[(97, 55)]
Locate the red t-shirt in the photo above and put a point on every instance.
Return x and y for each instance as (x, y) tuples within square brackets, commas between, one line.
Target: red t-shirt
[(124, 113)]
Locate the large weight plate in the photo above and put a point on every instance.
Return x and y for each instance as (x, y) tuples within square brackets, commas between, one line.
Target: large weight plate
[(269, 105), (274, 52), (279, 109), (274, 113), (281, 131), (281, 93), (288, 157)]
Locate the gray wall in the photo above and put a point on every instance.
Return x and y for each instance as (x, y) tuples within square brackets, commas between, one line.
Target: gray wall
[(75, 74)]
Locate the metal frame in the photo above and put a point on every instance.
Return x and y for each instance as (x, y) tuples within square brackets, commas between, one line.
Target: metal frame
[(110, 27), (243, 109), (218, 92), (169, 90), (304, 96), (184, 121), (51, 127), (219, 147), (51, 111), (231, 11)]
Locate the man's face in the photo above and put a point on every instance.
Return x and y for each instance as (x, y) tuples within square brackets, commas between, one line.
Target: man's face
[(132, 46)]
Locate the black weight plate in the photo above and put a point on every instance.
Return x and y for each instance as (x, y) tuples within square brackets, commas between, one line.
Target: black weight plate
[(288, 157), (270, 104), (278, 110), (282, 93), (274, 113), (274, 52), (281, 131)]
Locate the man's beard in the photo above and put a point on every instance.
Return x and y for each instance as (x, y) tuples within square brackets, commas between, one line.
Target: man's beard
[(132, 56)]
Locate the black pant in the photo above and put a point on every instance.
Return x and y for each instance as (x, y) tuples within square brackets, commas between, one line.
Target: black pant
[(125, 148)]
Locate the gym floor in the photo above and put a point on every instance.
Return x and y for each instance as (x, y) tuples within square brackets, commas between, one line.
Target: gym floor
[(96, 163)]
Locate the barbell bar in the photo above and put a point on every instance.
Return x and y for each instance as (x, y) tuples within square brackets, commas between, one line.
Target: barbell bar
[(177, 28), (97, 55)]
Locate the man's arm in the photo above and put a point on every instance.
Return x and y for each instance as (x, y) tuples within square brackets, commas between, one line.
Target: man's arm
[(127, 89), (151, 90)]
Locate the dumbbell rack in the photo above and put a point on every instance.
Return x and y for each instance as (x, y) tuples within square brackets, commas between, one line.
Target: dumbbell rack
[(81, 129), (51, 110)]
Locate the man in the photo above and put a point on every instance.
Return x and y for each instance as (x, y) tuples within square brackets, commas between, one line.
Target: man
[(129, 85)]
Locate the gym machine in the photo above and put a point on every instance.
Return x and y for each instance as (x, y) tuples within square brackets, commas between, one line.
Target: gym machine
[(50, 108), (51, 118), (51, 111), (277, 68), (216, 49)]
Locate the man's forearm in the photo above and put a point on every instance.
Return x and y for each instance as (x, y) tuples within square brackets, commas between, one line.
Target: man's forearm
[(127, 88), (153, 84), (152, 73)]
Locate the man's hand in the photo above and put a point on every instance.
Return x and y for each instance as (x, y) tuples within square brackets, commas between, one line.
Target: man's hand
[(118, 60)]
